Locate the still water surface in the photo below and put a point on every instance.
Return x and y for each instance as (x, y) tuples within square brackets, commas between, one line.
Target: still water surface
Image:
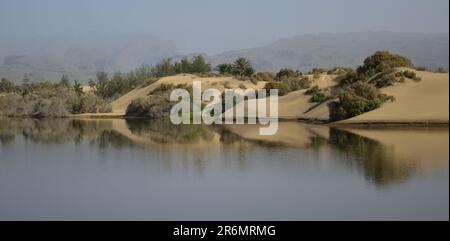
[(61, 169)]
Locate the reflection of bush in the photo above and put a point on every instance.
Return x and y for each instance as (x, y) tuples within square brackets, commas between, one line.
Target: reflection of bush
[(372, 157), (108, 138), (163, 131), (7, 138), (50, 130)]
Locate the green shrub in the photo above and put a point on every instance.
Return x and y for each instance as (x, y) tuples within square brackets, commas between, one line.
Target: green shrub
[(359, 98), (313, 90), (6, 86), (283, 88), (317, 71), (263, 76), (410, 75), (224, 68), (285, 73), (93, 104), (296, 84), (348, 78), (382, 61), (152, 107), (198, 65), (339, 71), (318, 97), (156, 104), (53, 107), (44, 99), (385, 80)]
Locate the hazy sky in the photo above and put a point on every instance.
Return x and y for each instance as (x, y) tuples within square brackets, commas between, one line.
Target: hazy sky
[(213, 26)]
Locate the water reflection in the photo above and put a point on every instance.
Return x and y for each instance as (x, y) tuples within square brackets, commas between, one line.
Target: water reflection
[(383, 157), (372, 157)]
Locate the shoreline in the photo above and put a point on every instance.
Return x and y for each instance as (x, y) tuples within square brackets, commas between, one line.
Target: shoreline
[(363, 124)]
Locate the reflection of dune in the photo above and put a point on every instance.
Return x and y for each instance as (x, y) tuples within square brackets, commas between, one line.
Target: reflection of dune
[(289, 133), (383, 156), (425, 148), (120, 126)]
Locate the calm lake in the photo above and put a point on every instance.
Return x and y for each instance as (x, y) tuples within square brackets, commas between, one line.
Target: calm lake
[(63, 169)]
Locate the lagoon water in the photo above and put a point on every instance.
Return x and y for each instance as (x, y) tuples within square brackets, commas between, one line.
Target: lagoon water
[(62, 169)]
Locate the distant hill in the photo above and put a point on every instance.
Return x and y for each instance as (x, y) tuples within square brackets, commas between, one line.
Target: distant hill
[(344, 49), (79, 57)]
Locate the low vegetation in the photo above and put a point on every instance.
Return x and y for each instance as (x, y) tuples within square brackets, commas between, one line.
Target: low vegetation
[(46, 99), (356, 99), (317, 95), (240, 67), (283, 88), (156, 104), (113, 87), (382, 61), (358, 90)]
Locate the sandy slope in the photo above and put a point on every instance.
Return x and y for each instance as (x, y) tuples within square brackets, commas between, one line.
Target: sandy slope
[(119, 106), (292, 106), (296, 104), (423, 101)]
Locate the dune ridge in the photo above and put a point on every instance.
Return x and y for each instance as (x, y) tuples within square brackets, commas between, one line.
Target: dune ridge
[(424, 101), (416, 102)]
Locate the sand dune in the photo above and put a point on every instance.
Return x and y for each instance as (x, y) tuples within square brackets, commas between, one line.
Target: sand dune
[(291, 106), (296, 105), (423, 101), (119, 106)]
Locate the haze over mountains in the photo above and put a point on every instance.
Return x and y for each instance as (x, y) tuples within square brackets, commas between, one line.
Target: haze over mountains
[(345, 49), (80, 57)]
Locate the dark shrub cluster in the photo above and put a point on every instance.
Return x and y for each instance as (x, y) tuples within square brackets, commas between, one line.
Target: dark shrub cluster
[(287, 73), (156, 104), (317, 95), (339, 70), (283, 88), (410, 75), (240, 67), (357, 99), (389, 77), (382, 61), (297, 83), (196, 65)]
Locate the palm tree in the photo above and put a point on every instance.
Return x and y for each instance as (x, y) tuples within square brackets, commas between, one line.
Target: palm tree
[(243, 67)]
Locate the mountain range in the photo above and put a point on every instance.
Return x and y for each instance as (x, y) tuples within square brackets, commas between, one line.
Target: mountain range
[(80, 57)]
